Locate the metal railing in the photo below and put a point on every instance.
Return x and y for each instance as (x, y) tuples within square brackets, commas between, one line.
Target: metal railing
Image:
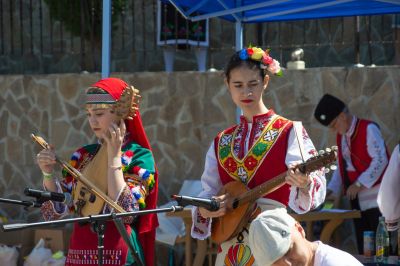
[(34, 40)]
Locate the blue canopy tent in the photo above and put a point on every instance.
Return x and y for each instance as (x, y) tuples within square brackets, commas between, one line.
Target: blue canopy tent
[(254, 11)]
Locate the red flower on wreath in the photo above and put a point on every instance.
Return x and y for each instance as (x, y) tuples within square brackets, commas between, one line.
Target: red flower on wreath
[(250, 163), (230, 164)]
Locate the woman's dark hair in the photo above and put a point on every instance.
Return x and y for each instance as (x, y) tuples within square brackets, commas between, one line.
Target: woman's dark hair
[(235, 61)]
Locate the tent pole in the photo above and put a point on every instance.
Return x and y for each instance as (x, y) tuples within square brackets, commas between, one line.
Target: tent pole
[(106, 39), (357, 42), (239, 35), (239, 46)]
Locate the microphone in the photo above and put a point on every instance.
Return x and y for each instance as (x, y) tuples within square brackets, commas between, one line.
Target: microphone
[(43, 196), (209, 204)]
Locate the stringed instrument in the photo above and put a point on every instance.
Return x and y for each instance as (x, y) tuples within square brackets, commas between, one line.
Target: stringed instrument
[(241, 201), (91, 188)]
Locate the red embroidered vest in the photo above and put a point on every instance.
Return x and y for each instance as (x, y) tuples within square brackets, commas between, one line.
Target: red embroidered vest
[(359, 153), (266, 155)]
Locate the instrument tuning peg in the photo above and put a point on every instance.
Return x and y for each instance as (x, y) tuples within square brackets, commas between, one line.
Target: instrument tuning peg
[(333, 167), (326, 170), (328, 150), (334, 148), (134, 89), (321, 152)]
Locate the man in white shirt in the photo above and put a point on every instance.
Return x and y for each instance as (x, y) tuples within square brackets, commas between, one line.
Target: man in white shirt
[(362, 160), (389, 196), (277, 239)]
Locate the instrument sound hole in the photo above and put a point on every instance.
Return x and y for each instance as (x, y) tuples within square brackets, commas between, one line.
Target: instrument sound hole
[(92, 198), (235, 204)]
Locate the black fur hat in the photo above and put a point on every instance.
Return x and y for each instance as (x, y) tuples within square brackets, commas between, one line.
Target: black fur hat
[(328, 108)]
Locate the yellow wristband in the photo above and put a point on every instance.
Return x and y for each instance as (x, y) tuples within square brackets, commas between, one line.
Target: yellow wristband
[(47, 175)]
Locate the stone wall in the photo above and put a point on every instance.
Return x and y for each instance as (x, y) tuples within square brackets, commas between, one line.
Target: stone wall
[(182, 112)]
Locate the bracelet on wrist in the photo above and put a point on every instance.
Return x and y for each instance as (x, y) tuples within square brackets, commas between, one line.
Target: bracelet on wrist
[(115, 167), (47, 175)]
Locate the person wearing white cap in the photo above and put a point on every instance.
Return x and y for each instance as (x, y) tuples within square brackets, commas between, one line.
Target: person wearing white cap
[(277, 239), (388, 195)]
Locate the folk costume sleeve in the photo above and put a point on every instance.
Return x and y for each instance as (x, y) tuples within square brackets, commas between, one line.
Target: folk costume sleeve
[(303, 200), (138, 169), (211, 184), (377, 151), (389, 196)]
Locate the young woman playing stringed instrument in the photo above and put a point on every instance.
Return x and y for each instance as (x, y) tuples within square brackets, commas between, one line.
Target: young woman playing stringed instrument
[(262, 146), (121, 165)]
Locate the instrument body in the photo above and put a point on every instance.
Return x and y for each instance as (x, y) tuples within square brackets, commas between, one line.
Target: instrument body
[(241, 201), (96, 171)]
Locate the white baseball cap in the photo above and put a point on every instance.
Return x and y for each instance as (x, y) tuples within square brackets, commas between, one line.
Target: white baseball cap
[(269, 235)]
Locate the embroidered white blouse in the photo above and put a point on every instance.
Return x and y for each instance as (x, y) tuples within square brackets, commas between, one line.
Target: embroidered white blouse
[(300, 200), (377, 151)]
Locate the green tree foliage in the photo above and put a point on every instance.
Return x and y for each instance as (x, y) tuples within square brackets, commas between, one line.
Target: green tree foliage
[(83, 16)]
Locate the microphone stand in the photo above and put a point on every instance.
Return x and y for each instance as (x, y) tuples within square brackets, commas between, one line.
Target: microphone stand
[(98, 222), (26, 203)]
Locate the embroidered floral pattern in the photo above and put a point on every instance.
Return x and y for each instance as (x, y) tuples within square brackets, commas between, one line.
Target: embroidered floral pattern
[(245, 168), (224, 152), (198, 230), (239, 255), (231, 165), (201, 224), (250, 163), (271, 135), (278, 123), (226, 140), (259, 148), (238, 139), (242, 174), (89, 257)]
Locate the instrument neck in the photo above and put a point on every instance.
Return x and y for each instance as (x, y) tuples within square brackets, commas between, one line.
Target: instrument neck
[(261, 190)]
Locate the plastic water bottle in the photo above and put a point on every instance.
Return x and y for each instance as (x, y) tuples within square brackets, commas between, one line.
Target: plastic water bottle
[(382, 241)]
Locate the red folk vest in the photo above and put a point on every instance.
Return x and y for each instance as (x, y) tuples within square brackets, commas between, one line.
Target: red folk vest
[(359, 153), (264, 160)]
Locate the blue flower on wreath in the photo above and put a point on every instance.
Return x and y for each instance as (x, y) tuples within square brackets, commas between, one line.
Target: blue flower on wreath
[(243, 54)]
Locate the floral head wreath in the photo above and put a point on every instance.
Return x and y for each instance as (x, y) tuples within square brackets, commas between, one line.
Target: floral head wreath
[(259, 55)]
